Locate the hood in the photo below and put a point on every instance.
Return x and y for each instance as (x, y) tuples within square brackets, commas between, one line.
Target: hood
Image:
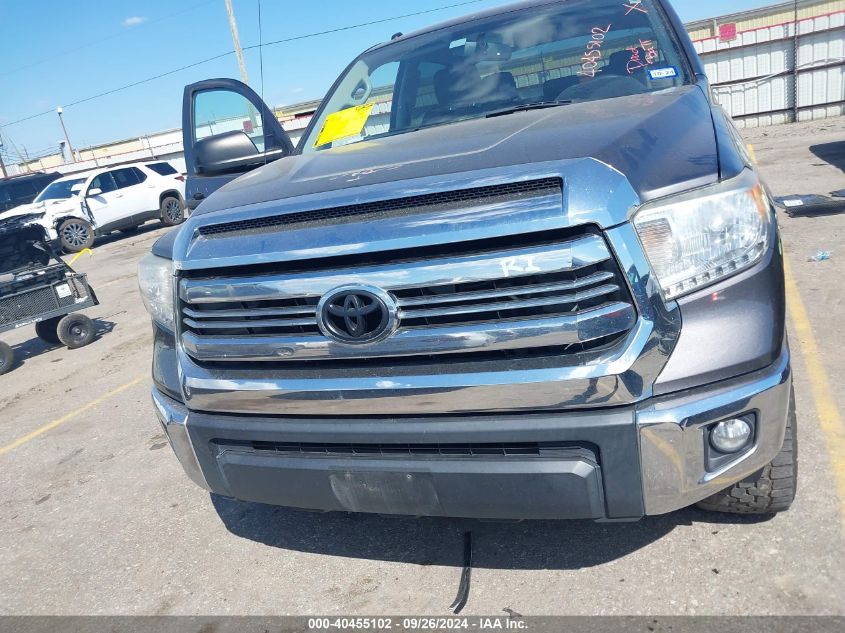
[(46, 206), (24, 209), (662, 142)]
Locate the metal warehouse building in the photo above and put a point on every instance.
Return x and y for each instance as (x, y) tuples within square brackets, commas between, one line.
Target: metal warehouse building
[(763, 70)]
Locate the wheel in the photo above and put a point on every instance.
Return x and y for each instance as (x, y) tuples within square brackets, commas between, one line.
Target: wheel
[(76, 235), (7, 358), (76, 330), (769, 490), (172, 211), (48, 330)]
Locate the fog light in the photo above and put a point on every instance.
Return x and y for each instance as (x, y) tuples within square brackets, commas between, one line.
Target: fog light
[(730, 436)]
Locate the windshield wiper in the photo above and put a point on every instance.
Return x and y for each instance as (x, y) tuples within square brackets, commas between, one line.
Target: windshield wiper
[(524, 107)]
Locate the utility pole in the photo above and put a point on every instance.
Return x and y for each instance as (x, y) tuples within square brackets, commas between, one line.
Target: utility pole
[(26, 159), (2, 164), (233, 25), (67, 138)]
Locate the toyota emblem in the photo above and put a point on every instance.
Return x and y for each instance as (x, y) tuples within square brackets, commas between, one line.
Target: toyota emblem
[(357, 314)]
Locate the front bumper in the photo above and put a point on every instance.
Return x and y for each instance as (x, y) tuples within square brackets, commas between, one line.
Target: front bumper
[(616, 463)]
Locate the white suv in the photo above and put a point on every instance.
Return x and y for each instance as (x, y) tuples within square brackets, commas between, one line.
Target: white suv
[(78, 208)]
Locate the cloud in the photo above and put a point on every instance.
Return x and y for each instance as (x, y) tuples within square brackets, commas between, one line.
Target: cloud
[(297, 90), (135, 20)]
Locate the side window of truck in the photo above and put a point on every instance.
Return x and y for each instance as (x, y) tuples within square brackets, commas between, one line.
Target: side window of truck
[(220, 111)]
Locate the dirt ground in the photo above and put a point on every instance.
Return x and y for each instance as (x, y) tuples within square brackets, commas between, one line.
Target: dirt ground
[(98, 518)]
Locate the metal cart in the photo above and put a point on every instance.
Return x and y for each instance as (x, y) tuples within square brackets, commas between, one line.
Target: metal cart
[(38, 288)]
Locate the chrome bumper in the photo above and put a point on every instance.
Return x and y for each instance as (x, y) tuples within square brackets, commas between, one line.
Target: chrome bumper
[(173, 418), (672, 435), (670, 430)]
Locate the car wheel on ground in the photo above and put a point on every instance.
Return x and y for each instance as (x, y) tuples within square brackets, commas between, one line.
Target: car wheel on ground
[(7, 357), (76, 235), (48, 330), (76, 330), (172, 211), (769, 490)]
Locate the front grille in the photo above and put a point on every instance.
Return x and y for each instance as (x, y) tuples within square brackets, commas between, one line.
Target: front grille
[(441, 201), (565, 295), (533, 296), (555, 450)]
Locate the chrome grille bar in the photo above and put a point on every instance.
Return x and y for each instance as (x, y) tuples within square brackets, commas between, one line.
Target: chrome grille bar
[(511, 291), (614, 318), (477, 308), (242, 325), (249, 312)]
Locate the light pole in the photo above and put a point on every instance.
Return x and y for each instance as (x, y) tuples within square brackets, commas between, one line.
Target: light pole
[(67, 138)]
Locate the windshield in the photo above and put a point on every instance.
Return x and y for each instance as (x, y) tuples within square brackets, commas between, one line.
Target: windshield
[(59, 190), (580, 50)]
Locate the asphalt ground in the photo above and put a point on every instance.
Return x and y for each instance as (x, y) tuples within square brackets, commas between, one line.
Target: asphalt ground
[(98, 518)]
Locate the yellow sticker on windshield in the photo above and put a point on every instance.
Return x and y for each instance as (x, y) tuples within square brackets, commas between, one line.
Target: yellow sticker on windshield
[(344, 123)]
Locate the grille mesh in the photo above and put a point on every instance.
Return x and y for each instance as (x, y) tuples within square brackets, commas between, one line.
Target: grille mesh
[(513, 449), (399, 206)]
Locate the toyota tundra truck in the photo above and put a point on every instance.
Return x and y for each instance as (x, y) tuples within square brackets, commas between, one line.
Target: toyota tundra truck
[(519, 265)]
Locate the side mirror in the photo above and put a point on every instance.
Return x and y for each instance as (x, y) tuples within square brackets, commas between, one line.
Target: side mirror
[(229, 152), (94, 192), (76, 188)]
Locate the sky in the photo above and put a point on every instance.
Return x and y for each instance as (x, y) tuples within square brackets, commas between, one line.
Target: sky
[(55, 52)]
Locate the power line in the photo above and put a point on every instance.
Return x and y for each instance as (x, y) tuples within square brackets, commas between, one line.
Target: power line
[(125, 87), (358, 26), (89, 44), (227, 53)]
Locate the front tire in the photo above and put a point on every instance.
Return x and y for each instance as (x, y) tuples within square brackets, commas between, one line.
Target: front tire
[(172, 211), (76, 235), (7, 358), (770, 490), (76, 330)]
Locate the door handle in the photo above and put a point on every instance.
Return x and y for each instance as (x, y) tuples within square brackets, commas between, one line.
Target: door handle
[(118, 195), (199, 195)]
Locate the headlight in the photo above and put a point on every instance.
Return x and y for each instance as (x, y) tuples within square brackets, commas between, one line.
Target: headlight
[(699, 238), (155, 279)]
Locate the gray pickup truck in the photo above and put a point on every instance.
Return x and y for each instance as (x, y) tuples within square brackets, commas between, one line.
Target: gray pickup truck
[(519, 265)]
